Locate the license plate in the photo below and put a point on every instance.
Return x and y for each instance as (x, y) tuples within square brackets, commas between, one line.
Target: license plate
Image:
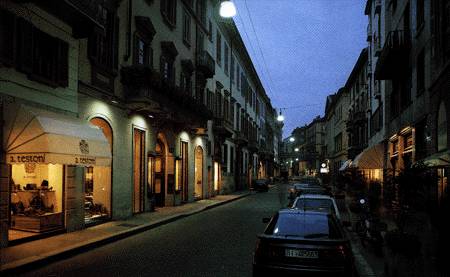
[(298, 253)]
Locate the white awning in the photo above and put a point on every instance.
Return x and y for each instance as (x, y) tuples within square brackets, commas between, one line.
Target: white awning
[(436, 160), (345, 165), (371, 158), (38, 136)]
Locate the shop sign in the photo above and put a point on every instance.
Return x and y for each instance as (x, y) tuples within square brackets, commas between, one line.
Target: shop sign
[(85, 160), (27, 158)]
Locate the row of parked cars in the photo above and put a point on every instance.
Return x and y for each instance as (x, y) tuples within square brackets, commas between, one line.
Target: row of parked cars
[(307, 238)]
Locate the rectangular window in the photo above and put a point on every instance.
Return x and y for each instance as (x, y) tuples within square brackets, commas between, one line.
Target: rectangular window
[(225, 158), (226, 60), (186, 28), (218, 48), (238, 77), (42, 57), (7, 27), (421, 73), (232, 70), (169, 12), (231, 159), (420, 16), (210, 35), (167, 69)]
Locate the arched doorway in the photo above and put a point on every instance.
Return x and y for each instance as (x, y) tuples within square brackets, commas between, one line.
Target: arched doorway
[(97, 185), (198, 172), (160, 173)]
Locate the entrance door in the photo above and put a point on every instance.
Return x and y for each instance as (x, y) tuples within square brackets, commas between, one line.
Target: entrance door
[(160, 162), (198, 172), (138, 170)]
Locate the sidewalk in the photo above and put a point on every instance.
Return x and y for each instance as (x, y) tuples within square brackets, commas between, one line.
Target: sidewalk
[(29, 254)]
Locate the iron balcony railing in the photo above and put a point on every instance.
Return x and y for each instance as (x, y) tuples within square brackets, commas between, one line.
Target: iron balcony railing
[(206, 64)]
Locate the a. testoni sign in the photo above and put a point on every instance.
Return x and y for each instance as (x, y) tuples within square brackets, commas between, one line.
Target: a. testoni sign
[(51, 158), (27, 158)]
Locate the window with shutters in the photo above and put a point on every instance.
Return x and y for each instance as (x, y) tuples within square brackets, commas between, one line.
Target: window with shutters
[(169, 12), (42, 57), (226, 59), (232, 70), (103, 48), (102, 52), (186, 28), (167, 68), (218, 48), (7, 26)]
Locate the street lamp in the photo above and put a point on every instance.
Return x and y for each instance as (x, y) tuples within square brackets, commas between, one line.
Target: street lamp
[(296, 149), (227, 9), (291, 139), (280, 117)]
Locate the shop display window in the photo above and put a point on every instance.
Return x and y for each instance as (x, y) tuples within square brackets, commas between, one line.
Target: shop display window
[(36, 197), (97, 199)]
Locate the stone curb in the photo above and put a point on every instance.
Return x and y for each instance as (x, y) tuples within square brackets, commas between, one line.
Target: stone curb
[(28, 263)]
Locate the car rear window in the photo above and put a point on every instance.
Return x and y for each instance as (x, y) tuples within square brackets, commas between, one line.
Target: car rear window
[(315, 204), (309, 226)]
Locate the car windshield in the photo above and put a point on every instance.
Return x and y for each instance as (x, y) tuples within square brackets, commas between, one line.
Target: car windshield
[(315, 204), (303, 225)]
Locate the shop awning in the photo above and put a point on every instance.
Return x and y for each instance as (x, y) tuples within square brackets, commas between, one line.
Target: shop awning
[(38, 136), (436, 160), (371, 158), (345, 165)]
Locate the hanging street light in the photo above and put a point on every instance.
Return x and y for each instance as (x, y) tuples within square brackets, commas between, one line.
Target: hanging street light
[(280, 117), (227, 9), (291, 139), (296, 149)]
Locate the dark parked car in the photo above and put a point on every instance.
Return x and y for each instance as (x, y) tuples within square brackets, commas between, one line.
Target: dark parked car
[(301, 188), (306, 243), (261, 184)]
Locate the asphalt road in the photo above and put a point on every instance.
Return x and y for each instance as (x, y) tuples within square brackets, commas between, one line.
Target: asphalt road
[(217, 242)]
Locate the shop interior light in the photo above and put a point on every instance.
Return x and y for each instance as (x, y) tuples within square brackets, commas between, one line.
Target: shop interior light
[(227, 9)]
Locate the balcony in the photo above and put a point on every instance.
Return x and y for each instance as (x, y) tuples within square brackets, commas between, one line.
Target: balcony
[(222, 127), (205, 64), (393, 60), (79, 14), (145, 90), (253, 145), (240, 138)]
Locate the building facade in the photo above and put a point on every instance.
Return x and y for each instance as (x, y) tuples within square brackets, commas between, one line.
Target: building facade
[(336, 137), (158, 103)]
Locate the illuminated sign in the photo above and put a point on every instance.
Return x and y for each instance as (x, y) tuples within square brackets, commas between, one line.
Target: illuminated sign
[(27, 158)]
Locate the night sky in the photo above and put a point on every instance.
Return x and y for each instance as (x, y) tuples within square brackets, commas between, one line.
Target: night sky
[(306, 50)]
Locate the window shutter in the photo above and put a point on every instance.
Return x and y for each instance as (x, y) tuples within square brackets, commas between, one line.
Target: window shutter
[(24, 54), (7, 28), (63, 64), (116, 43)]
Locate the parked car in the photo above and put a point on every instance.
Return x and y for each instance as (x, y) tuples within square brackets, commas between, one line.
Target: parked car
[(298, 189), (260, 184), (316, 202), (301, 242), (311, 180)]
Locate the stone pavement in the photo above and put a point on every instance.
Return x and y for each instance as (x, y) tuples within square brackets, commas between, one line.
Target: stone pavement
[(29, 254)]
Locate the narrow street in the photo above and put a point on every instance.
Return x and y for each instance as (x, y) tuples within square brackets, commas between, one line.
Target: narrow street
[(217, 242)]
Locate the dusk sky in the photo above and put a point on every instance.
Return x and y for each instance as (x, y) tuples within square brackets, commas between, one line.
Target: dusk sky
[(306, 50)]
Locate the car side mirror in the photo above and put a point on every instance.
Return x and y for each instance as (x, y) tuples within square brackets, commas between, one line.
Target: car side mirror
[(266, 219)]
